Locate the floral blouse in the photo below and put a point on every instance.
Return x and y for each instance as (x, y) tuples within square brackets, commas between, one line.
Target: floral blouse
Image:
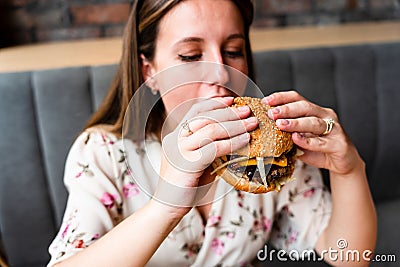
[(102, 193)]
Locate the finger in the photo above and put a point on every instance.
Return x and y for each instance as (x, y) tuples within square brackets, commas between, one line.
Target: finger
[(280, 98), (190, 126), (219, 131), (222, 147), (316, 159), (209, 104), (302, 108), (320, 144), (219, 115), (313, 125)]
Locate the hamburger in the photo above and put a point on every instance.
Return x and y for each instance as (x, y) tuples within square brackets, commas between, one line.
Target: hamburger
[(267, 162)]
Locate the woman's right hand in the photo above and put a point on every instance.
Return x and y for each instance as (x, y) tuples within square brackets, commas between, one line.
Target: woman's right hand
[(209, 130)]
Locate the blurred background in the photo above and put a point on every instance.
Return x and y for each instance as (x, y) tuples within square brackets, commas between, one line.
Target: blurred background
[(343, 54), (35, 21)]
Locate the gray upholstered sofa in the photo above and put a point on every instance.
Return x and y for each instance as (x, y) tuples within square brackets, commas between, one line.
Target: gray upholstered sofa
[(41, 113)]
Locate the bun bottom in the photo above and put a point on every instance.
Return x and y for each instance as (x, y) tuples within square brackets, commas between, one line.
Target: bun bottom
[(244, 184)]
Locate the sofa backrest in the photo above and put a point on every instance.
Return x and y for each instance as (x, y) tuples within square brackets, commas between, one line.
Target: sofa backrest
[(41, 112), (362, 83)]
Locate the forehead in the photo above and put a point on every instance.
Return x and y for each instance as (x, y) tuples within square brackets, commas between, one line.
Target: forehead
[(202, 17)]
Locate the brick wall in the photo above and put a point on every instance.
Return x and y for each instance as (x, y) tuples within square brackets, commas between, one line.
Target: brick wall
[(276, 13), (31, 21)]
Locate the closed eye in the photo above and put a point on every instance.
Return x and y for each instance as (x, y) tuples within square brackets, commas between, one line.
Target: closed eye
[(190, 58), (233, 54)]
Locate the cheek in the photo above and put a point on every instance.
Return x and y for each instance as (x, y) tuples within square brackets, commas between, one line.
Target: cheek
[(242, 66), (238, 79), (239, 64)]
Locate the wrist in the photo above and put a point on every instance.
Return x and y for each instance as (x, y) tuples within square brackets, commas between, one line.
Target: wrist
[(168, 212), (357, 170), (351, 165)]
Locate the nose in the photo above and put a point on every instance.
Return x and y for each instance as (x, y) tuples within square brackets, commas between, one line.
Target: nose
[(221, 74), (218, 72)]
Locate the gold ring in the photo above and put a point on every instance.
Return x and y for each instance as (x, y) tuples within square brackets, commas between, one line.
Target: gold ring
[(185, 126), (329, 126)]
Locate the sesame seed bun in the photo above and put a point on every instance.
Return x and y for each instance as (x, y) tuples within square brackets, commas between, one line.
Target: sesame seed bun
[(266, 141)]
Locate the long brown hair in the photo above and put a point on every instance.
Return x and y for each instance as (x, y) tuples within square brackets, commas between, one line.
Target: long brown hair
[(140, 38)]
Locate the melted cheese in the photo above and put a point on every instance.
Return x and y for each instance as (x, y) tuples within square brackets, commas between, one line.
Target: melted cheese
[(282, 161)]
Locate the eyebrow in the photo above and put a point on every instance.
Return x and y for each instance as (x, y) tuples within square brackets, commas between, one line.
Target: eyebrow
[(199, 40), (236, 36), (190, 40)]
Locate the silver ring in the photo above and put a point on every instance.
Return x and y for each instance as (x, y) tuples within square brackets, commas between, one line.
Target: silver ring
[(329, 126), (185, 126)]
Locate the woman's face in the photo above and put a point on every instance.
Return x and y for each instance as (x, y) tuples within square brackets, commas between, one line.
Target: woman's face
[(199, 30)]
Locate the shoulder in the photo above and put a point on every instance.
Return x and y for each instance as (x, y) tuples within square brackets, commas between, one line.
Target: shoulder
[(95, 139), (96, 148), (97, 135)]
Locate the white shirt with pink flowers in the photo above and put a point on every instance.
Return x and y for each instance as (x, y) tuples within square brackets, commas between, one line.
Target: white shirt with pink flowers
[(102, 193)]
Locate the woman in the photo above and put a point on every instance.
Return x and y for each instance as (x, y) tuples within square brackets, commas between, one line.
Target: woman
[(110, 222)]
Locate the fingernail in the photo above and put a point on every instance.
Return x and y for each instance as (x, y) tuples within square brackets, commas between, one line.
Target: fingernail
[(299, 152), (251, 120), (243, 108), (272, 112), (300, 135), (283, 122), (244, 137), (276, 110), (270, 115), (266, 99)]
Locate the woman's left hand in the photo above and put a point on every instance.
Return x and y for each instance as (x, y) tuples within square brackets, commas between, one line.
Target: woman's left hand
[(333, 151)]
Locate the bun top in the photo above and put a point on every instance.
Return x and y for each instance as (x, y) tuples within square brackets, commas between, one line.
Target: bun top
[(267, 140)]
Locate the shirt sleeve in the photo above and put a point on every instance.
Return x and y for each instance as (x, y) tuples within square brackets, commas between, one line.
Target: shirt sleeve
[(94, 204), (302, 212)]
